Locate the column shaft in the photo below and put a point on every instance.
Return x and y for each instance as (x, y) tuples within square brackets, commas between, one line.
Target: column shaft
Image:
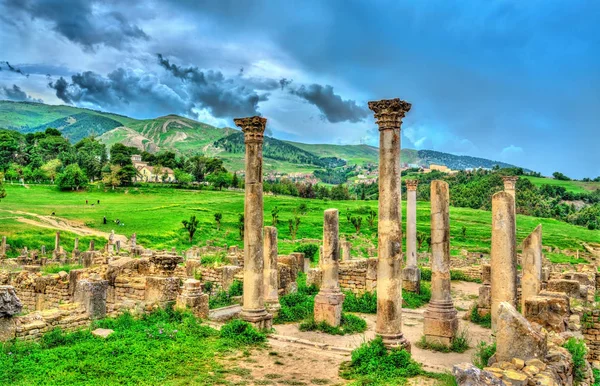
[(271, 282)]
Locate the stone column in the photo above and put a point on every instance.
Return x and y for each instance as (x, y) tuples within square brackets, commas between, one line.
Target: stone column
[(57, 242), (484, 302), (253, 309), (133, 241), (346, 250), (440, 322), (92, 294), (118, 246), (92, 246), (192, 298), (389, 114), (411, 274), (510, 187), (531, 282), (329, 300), (75, 254), (503, 254), (271, 280), (3, 248)]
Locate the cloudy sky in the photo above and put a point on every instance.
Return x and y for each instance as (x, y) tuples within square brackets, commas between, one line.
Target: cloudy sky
[(516, 81)]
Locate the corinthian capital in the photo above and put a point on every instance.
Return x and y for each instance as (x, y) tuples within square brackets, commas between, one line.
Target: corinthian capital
[(252, 127), (389, 112), (411, 184)]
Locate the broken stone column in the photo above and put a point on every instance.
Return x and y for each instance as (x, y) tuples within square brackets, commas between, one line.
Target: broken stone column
[(389, 114), (411, 274), (503, 254), (484, 302), (346, 250), (329, 300), (531, 281), (253, 309), (271, 283), (92, 295), (76, 252), (3, 248), (516, 338), (192, 298), (440, 321), (58, 252)]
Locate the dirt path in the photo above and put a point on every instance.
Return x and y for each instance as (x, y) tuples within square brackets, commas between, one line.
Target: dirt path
[(62, 224)]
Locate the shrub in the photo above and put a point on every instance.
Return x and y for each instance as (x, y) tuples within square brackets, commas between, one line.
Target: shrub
[(240, 331), (366, 302), (350, 324), (483, 353), (460, 275), (459, 344), (413, 300), (578, 352), (309, 250), (297, 306), (56, 268), (372, 362), (483, 321), (425, 274), (236, 288)]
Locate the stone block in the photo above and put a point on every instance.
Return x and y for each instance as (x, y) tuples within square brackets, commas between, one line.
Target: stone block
[(102, 332), (192, 298), (484, 301), (328, 308), (569, 287), (8, 328), (549, 309), (466, 374), (516, 337), (411, 279), (10, 304), (192, 266), (160, 289), (440, 323), (92, 295)]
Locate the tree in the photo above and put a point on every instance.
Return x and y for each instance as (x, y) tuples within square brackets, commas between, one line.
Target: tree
[(348, 215), (560, 176), (113, 177), (191, 226), (50, 169), (302, 208), (182, 177), (235, 181), (371, 217), (293, 224), (356, 222), (72, 178), (2, 191), (91, 156), (219, 180), (463, 232), (421, 237), (218, 217), (274, 216)]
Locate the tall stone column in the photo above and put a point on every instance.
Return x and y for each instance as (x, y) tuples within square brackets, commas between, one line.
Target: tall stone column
[(253, 309), (329, 300), (271, 280), (411, 274), (531, 282), (510, 187), (389, 114), (503, 254), (440, 322)]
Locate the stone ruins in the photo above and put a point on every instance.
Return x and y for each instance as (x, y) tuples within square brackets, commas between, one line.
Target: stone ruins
[(535, 306)]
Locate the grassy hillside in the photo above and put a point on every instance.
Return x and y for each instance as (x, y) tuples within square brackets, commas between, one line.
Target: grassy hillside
[(155, 214), (570, 186)]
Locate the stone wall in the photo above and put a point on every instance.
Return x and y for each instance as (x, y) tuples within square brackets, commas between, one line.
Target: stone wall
[(68, 317), (590, 325)]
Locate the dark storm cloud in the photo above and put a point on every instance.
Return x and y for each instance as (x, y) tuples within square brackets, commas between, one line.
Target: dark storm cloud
[(334, 108), (15, 93), (11, 68), (81, 21)]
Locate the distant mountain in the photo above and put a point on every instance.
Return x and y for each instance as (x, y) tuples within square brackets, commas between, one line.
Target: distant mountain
[(187, 137)]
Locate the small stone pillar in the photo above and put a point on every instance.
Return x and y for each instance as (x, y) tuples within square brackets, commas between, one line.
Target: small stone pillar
[(3, 248), (133, 241), (118, 246), (92, 295), (389, 114), (192, 297), (271, 284), (76, 252), (43, 250), (503, 254), (440, 321), (531, 281), (57, 242), (92, 246), (484, 302), (346, 250), (329, 300), (253, 309), (411, 274)]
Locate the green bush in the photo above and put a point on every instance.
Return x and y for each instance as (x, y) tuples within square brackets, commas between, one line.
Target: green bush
[(372, 363), (483, 321), (596, 377), (56, 268), (459, 275), (578, 352), (350, 324), (425, 274), (483, 353), (365, 303), (412, 300), (240, 331), (303, 288), (236, 288), (309, 250), (297, 306)]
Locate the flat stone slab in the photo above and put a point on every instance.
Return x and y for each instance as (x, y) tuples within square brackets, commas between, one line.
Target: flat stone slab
[(225, 313), (102, 332)]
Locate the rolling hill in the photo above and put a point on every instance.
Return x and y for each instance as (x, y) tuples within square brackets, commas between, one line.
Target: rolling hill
[(187, 137)]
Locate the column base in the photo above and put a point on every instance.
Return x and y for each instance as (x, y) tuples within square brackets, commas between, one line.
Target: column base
[(440, 322), (411, 279), (328, 307), (260, 319), (392, 341), (273, 307)]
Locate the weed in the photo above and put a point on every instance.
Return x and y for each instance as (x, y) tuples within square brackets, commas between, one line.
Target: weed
[(56, 268), (578, 352), (350, 324), (483, 353), (459, 344), (483, 321), (413, 300), (365, 303), (240, 331)]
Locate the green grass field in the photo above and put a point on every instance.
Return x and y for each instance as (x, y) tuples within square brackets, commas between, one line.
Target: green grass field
[(571, 186), (155, 214)]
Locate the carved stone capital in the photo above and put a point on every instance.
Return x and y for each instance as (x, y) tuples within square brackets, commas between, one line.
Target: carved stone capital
[(252, 127), (389, 112), (510, 182), (411, 184)]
